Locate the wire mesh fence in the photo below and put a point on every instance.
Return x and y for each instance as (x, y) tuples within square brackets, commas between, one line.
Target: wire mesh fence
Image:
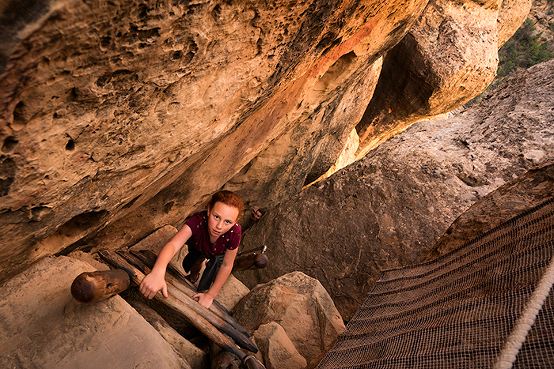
[(488, 304)]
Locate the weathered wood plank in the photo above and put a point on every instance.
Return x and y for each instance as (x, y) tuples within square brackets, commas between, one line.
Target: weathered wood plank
[(148, 258), (174, 301)]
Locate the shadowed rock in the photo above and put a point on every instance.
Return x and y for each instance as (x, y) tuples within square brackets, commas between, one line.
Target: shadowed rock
[(388, 209)]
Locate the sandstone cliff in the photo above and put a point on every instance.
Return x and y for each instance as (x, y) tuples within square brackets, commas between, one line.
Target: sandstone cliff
[(118, 117), (388, 209)]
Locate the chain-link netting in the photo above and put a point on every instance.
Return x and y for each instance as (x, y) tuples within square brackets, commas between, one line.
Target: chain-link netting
[(466, 309)]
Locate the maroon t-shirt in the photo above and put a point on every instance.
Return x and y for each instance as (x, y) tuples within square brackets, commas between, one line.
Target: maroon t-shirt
[(200, 238)]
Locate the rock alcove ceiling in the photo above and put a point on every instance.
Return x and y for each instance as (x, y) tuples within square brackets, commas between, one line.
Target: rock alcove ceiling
[(119, 117)]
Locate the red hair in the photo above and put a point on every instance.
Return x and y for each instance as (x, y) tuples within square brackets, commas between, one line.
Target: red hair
[(228, 198)]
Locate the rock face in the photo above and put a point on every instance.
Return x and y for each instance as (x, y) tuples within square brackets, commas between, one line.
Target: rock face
[(388, 209), (447, 58), (119, 117), (470, 302), (507, 202), (542, 16)]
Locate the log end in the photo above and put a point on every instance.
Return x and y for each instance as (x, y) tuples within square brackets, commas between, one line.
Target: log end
[(83, 289), (95, 286), (261, 261)]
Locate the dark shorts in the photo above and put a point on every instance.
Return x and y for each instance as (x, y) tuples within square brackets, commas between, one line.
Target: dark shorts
[(208, 277)]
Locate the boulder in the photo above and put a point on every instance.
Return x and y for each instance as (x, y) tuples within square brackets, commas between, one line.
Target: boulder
[(225, 360), (156, 240), (449, 56), (388, 209), (277, 349), (303, 309), (232, 291), (44, 327)]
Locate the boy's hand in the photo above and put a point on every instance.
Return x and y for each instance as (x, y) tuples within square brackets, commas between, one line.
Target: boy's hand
[(151, 284), (204, 299)]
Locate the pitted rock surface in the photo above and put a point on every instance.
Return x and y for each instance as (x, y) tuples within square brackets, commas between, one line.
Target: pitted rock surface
[(119, 117)]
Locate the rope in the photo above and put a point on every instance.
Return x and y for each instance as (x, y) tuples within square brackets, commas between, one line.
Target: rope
[(523, 325)]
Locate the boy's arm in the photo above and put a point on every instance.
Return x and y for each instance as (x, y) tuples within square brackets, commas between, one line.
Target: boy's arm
[(155, 280), (206, 299)]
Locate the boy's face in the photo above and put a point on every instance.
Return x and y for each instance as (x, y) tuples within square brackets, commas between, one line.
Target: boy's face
[(221, 218)]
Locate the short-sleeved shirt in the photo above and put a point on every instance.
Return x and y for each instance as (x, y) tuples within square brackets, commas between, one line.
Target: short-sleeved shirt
[(200, 238)]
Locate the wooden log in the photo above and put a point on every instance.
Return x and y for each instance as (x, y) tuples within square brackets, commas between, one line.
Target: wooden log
[(250, 261), (240, 338), (250, 362), (221, 359), (148, 258), (95, 286), (193, 311)]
